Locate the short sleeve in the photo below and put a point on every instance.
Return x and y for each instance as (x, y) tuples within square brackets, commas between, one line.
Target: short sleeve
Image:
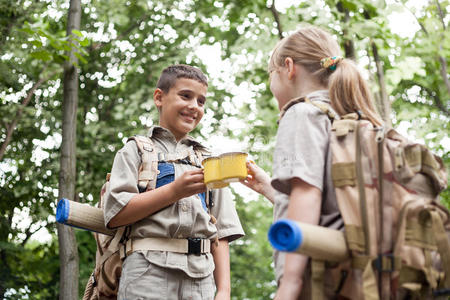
[(228, 224), (301, 147), (123, 181)]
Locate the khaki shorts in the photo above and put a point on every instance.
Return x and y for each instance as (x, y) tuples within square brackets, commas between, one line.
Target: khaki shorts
[(143, 280)]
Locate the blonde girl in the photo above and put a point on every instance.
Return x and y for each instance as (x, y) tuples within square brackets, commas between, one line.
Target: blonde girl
[(307, 64)]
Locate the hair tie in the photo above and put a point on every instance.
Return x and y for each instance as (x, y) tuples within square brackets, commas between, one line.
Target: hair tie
[(330, 62)]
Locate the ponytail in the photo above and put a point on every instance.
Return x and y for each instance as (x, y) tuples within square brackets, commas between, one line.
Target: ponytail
[(349, 92)]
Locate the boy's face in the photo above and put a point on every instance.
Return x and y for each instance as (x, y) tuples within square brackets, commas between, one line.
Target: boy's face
[(182, 107)]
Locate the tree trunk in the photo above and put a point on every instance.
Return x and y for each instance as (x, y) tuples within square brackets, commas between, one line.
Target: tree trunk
[(349, 47), (384, 103), (68, 253)]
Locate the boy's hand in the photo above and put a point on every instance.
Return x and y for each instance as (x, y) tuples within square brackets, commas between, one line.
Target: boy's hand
[(188, 184), (259, 181)]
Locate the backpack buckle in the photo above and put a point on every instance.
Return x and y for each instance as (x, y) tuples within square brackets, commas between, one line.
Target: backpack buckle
[(384, 263), (194, 245)]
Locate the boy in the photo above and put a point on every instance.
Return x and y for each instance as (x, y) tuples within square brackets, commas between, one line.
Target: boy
[(175, 211)]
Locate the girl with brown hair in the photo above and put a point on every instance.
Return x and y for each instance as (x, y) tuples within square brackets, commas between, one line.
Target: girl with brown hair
[(307, 64)]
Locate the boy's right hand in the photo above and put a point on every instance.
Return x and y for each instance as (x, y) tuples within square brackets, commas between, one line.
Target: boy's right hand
[(188, 184)]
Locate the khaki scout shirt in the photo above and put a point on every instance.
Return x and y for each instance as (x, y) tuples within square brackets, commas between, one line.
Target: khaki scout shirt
[(182, 219), (302, 150)]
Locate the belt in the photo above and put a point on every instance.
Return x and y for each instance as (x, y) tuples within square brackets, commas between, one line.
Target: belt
[(187, 246)]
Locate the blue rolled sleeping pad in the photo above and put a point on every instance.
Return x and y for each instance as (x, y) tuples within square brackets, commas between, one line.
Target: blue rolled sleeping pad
[(81, 216), (315, 241), (285, 235), (62, 211)]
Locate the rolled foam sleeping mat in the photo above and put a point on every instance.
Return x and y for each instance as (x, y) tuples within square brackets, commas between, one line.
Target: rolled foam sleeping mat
[(81, 215), (311, 240)]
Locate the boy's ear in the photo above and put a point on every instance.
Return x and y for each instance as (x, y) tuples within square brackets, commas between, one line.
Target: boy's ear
[(157, 97), (291, 67)]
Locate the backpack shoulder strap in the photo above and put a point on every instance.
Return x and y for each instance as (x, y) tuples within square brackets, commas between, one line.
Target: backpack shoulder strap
[(148, 169), (322, 106)]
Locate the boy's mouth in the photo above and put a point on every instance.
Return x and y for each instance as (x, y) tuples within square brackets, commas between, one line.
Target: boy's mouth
[(189, 117)]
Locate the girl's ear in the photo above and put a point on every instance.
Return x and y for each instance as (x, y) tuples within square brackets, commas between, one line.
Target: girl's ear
[(291, 67), (157, 97)]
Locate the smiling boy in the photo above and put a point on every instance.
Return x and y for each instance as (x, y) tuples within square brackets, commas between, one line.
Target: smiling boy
[(176, 211)]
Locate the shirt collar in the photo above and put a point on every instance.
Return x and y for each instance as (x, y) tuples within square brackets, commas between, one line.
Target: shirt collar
[(319, 95), (157, 131)]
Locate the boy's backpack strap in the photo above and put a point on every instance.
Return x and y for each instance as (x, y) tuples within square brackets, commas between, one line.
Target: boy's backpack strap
[(148, 171), (113, 245)]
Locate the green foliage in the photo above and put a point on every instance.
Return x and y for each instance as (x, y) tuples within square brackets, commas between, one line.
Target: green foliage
[(251, 266), (122, 47), (54, 46)]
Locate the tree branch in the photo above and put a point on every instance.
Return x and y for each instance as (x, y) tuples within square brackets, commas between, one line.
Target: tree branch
[(442, 59), (441, 14), (276, 16), (29, 234), (10, 127), (443, 71), (437, 101)]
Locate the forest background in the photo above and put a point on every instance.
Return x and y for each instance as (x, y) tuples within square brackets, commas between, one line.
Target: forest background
[(113, 59)]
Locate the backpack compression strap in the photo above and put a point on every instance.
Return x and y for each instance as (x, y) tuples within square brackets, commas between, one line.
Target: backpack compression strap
[(148, 171)]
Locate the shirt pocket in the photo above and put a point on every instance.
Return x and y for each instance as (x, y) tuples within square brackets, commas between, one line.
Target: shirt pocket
[(166, 174)]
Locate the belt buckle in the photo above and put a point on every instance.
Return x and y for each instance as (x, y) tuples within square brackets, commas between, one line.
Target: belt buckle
[(194, 245)]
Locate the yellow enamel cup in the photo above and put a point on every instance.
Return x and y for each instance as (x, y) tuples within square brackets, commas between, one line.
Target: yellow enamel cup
[(212, 173), (233, 166)]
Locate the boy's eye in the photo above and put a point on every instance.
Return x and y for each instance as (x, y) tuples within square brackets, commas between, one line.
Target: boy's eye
[(201, 101)]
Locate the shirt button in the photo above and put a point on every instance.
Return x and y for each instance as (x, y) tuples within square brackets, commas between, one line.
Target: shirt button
[(184, 207)]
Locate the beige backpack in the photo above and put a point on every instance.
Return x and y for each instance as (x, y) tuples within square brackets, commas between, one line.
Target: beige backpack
[(111, 250), (387, 189)]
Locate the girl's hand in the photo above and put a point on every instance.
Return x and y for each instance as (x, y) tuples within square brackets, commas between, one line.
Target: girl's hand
[(188, 184), (222, 295), (289, 289), (259, 181)]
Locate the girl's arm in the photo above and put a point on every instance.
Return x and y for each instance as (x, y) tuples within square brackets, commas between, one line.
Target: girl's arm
[(221, 257), (304, 206), (259, 181)]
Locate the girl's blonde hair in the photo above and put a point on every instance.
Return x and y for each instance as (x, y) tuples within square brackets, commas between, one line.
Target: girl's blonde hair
[(348, 90)]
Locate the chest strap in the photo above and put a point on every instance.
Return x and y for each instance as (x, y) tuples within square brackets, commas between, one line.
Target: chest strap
[(186, 246)]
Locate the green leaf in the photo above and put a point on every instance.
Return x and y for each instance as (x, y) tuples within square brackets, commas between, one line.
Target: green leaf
[(59, 58), (28, 30), (80, 57), (38, 44), (84, 42), (42, 55), (56, 45), (350, 5), (77, 32), (43, 33)]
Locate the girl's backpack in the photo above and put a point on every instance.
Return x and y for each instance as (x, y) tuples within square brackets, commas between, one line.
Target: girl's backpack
[(387, 189)]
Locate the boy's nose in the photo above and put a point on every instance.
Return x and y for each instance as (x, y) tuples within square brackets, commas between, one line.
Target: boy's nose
[(193, 104)]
